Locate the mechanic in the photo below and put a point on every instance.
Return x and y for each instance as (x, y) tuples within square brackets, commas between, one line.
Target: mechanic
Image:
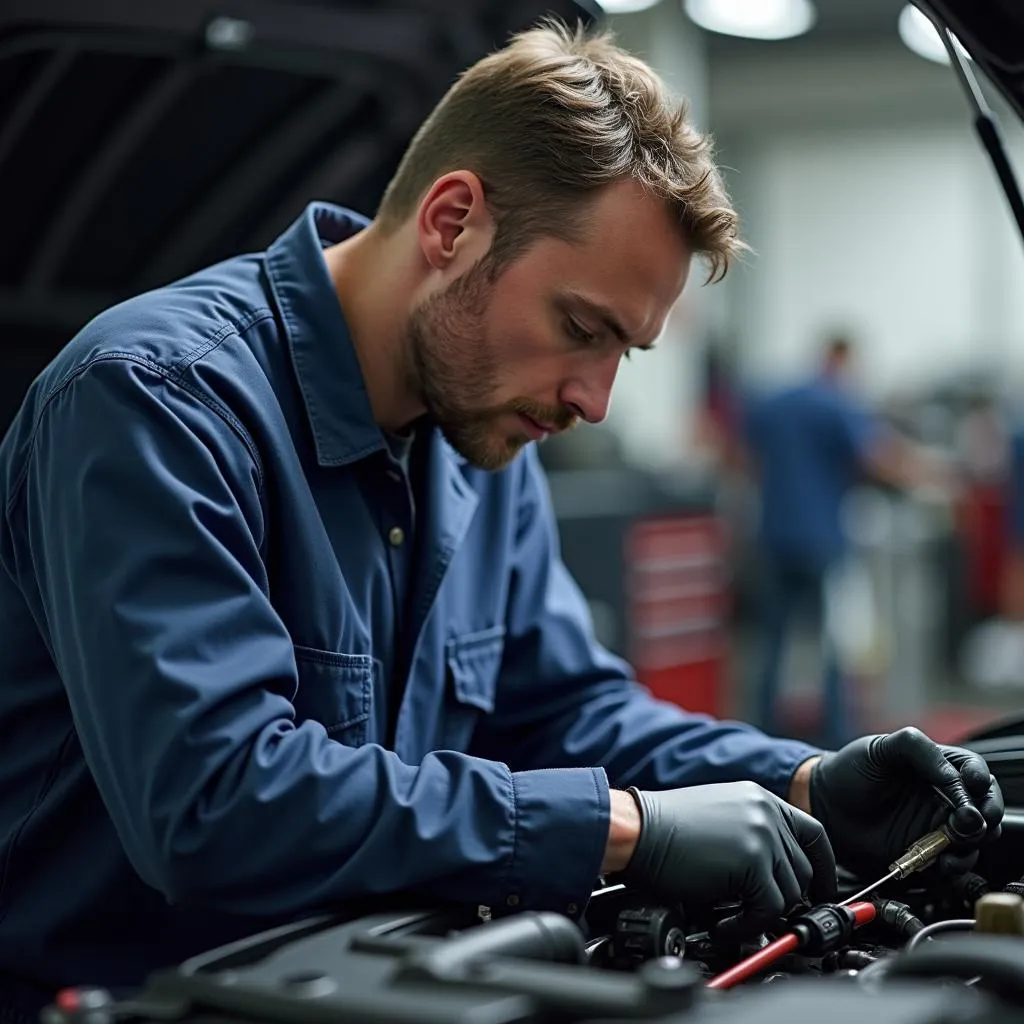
[(285, 623)]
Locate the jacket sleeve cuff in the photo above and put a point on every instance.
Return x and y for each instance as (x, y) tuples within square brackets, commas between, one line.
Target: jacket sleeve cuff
[(562, 816), (788, 756)]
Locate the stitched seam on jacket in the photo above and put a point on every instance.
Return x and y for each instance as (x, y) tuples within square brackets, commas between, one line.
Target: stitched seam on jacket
[(216, 407), (514, 859), (251, 318)]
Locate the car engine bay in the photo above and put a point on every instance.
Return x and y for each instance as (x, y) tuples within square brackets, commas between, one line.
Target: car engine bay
[(929, 949)]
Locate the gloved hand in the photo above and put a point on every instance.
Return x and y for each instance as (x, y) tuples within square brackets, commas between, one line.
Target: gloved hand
[(875, 798), (731, 841)]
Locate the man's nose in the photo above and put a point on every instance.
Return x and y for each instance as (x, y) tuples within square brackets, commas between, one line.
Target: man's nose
[(589, 393)]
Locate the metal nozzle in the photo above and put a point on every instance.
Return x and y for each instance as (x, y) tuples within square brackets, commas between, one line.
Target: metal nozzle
[(922, 853)]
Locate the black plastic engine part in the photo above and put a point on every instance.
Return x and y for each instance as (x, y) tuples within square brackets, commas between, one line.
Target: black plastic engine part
[(539, 936), (823, 929), (900, 917), (646, 933), (855, 959)]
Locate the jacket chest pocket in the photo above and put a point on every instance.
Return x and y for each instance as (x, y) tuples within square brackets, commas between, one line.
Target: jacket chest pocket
[(335, 690), (473, 665)]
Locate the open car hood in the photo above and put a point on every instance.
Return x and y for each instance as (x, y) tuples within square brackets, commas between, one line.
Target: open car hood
[(140, 141), (992, 32)]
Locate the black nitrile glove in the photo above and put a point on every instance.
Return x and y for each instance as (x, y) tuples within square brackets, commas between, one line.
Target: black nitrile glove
[(875, 797), (729, 842)]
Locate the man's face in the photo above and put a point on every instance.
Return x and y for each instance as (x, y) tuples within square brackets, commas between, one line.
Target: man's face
[(498, 364)]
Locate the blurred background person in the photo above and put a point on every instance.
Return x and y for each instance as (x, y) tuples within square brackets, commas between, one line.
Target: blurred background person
[(809, 444)]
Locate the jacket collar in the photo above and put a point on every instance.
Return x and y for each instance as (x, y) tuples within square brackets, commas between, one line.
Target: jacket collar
[(331, 380)]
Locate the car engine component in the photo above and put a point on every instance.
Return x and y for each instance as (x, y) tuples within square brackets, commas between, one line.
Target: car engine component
[(627, 959)]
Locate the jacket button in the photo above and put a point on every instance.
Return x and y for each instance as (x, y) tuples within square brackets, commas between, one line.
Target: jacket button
[(396, 535), (572, 909), (513, 900)]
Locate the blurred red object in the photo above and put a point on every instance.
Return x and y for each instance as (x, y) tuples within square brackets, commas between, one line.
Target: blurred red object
[(678, 601), (982, 518)]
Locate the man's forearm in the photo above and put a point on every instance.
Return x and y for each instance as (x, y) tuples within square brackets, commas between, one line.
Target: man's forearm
[(800, 785)]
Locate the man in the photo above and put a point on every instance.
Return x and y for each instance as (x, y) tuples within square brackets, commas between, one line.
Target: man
[(285, 623), (810, 443)]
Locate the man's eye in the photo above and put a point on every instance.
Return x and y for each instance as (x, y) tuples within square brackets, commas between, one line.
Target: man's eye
[(578, 332)]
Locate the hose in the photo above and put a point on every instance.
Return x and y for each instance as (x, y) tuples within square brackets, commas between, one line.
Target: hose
[(540, 935), (959, 924), (746, 969), (860, 914), (899, 916)]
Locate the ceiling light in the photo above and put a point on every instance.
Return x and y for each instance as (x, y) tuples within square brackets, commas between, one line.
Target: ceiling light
[(755, 19), (625, 6), (921, 36)]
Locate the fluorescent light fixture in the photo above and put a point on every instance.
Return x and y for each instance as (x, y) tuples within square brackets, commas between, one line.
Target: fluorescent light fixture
[(921, 36), (625, 6), (755, 19)]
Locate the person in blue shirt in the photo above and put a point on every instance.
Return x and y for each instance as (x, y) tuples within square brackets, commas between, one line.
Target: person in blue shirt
[(286, 629), (810, 443)]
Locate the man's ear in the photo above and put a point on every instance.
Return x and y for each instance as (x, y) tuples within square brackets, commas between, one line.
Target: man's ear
[(453, 224)]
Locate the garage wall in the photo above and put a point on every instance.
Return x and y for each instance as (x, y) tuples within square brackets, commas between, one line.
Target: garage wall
[(871, 206)]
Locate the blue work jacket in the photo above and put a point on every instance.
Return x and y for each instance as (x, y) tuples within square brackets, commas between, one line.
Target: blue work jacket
[(205, 555)]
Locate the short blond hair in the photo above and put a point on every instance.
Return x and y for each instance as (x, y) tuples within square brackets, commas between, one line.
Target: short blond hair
[(551, 118)]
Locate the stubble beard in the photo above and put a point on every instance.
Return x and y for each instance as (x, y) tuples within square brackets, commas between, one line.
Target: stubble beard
[(453, 370), (454, 373)]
